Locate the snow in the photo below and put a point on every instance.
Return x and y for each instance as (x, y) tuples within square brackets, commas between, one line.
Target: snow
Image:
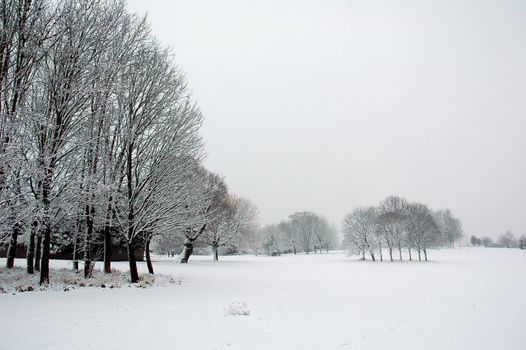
[(16, 280), (466, 298)]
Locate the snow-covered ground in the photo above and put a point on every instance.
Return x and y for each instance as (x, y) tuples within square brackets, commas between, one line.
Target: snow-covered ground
[(464, 299)]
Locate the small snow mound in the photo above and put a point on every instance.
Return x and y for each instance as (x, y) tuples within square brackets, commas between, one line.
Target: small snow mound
[(238, 308)]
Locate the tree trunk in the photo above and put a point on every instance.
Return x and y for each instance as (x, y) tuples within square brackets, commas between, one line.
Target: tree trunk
[(107, 249), (38, 253), (11, 252), (419, 257), (391, 254), (134, 274), (31, 248), (372, 256), (215, 251), (187, 251), (88, 260), (410, 257), (380, 250), (46, 247), (75, 258), (46, 239), (294, 247), (363, 254), (189, 245), (148, 258), (425, 254), (400, 252)]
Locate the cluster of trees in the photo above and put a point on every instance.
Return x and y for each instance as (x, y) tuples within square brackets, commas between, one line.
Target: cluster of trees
[(396, 224), (99, 139), (302, 232), (506, 240)]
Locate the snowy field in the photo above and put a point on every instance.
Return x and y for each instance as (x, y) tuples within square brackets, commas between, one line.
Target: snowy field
[(464, 299)]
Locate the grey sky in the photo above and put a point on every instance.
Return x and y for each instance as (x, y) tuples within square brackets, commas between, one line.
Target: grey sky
[(328, 105)]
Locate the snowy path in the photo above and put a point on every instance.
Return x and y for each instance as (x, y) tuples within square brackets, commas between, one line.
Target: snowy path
[(464, 299)]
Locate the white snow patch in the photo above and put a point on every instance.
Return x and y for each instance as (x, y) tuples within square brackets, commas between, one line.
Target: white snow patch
[(462, 299)]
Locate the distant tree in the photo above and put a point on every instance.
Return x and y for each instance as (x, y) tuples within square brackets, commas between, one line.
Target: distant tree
[(522, 242), (211, 190), (476, 242), (359, 228), (235, 225), (273, 239), (508, 240), (487, 242), (450, 227), (324, 235), (422, 228), (292, 236), (392, 214), (304, 224)]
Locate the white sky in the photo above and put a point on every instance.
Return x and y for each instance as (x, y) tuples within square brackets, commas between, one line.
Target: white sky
[(328, 105)]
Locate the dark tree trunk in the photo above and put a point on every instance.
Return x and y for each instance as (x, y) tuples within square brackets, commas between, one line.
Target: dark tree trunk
[(31, 248), (11, 252), (107, 249), (46, 247), (75, 265), (372, 256), (134, 274), (381, 253), (187, 251), (148, 258), (38, 253), (46, 239), (400, 252), (363, 254), (391, 254), (425, 254), (410, 257), (419, 257), (215, 251), (294, 247), (88, 263), (189, 245)]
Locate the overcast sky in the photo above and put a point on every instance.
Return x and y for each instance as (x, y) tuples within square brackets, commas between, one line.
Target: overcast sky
[(329, 105)]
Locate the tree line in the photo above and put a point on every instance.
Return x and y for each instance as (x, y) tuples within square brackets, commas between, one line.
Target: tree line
[(506, 240), (99, 140), (396, 225), (302, 232)]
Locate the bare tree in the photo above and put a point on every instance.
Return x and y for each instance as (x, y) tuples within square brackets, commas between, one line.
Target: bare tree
[(422, 228), (359, 229), (304, 225), (508, 240), (24, 35), (159, 120), (236, 222), (274, 239), (210, 191), (449, 226), (392, 214)]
